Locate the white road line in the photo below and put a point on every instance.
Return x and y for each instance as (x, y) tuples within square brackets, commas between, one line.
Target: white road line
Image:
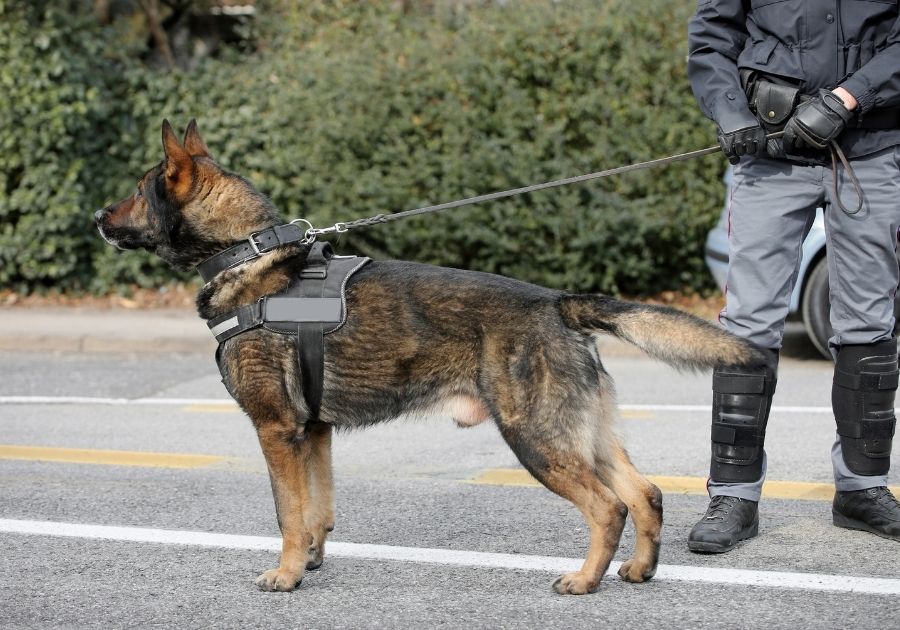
[(87, 400), (739, 577)]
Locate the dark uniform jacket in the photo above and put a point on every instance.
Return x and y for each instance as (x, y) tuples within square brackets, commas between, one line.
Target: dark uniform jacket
[(854, 44)]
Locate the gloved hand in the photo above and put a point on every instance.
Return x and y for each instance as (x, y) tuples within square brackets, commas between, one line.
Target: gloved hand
[(740, 135), (816, 122)]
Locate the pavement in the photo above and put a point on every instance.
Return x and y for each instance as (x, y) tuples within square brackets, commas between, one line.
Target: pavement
[(134, 493), (117, 330)]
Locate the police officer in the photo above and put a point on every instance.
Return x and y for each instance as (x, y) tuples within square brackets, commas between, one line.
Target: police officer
[(827, 74)]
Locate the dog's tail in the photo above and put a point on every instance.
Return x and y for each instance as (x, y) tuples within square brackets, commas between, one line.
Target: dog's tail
[(678, 338)]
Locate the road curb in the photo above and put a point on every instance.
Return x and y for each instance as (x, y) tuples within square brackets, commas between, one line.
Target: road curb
[(168, 345), (95, 331), (90, 344), (103, 331), (106, 345)]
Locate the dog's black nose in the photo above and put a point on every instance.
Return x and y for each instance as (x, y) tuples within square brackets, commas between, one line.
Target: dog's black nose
[(97, 216)]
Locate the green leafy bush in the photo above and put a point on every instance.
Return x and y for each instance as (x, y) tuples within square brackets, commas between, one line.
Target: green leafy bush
[(68, 143), (349, 109)]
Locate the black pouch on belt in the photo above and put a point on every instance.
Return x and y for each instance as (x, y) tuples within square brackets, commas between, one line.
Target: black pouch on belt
[(773, 103)]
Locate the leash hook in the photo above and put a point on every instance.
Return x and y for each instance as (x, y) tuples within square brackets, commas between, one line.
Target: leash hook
[(338, 228), (309, 236)]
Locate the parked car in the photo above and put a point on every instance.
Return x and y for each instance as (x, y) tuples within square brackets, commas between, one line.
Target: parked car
[(809, 300)]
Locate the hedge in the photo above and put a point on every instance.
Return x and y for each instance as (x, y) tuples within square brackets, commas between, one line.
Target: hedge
[(348, 109)]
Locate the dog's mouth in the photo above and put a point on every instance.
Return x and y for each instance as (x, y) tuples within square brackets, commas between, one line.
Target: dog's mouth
[(121, 238), (106, 237)]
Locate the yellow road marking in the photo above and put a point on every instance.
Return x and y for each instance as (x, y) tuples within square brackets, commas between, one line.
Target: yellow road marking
[(109, 458), (799, 490), (216, 408), (636, 415), (496, 477), (505, 477)]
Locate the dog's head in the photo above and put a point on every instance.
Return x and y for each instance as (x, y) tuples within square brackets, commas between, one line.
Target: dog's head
[(186, 208)]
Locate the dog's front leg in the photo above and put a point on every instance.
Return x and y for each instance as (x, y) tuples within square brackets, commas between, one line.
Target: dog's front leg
[(320, 516), (288, 456)]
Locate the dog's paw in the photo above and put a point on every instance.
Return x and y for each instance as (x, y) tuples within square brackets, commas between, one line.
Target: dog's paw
[(316, 552), (315, 558), (279, 580), (631, 571), (575, 584)]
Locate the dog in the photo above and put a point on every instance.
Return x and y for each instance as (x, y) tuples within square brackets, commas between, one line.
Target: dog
[(417, 339)]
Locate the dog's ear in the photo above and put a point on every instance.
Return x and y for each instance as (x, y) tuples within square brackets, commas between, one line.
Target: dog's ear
[(193, 142), (178, 161)]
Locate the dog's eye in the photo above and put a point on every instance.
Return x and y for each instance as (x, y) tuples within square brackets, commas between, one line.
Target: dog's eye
[(138, 194)]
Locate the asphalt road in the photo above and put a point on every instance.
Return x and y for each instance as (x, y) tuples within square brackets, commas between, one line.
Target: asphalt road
[(407, 485)]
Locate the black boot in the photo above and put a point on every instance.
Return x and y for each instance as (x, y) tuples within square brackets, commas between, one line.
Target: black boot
[(874, 510), (728, 520)]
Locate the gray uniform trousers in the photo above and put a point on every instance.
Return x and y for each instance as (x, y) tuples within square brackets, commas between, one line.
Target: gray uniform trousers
[(772, 207)]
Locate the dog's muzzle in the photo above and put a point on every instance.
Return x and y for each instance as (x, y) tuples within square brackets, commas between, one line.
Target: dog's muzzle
[(98, 221)]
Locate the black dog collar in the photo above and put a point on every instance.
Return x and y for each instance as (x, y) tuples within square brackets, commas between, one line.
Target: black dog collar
[(254, 246)]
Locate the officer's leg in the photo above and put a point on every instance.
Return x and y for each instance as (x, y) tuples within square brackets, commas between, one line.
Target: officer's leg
[(772, 208), (863, 277)]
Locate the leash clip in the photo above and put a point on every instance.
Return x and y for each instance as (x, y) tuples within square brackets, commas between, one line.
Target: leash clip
[(337, 228), (311, 233)]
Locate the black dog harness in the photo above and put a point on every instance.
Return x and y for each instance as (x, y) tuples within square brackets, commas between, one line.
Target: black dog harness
[(312, 306)]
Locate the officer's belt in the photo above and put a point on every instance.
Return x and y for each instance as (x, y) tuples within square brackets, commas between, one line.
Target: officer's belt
[(313, 306), (773, 102)]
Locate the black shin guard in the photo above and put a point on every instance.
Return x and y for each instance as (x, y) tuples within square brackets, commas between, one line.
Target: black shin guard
[(862, 397), (741, 401)]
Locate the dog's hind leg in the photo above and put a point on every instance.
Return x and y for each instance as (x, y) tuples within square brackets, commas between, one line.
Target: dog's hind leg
[(572, 477), (320, 516), (288, 456), (644, 501)]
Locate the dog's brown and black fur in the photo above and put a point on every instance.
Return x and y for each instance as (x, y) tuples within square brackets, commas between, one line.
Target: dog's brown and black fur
[(418, 338)]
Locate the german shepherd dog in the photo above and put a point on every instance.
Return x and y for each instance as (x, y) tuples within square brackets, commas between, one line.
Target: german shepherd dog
[(417, 338)]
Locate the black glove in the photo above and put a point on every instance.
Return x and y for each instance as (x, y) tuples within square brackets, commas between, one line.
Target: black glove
[(816, 122), (740, 135)]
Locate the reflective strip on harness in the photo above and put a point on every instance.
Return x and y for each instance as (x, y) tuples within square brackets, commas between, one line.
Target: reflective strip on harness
[(228, 324), (234, 323), (303, 309)]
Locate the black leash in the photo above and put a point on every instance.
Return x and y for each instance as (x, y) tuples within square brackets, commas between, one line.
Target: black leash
[(838, 154), (341, 227), (266, 240), (344, 226)]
